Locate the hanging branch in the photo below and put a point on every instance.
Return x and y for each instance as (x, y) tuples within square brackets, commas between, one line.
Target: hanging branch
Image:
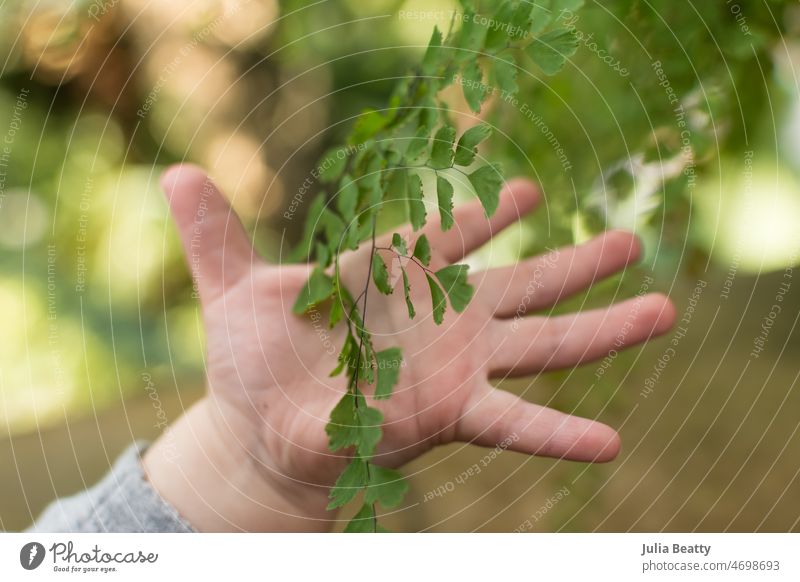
[(382, 160)]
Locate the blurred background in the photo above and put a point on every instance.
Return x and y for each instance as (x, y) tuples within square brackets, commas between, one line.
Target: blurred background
[(680, 121)]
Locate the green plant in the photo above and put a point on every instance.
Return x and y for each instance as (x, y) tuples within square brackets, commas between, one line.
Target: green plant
[(381, 162)]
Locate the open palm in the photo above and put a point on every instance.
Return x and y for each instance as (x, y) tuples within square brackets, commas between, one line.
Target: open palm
[(269, 370)]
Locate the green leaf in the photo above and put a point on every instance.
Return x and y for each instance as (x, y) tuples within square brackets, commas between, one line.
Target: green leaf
[(388, 363), (422, 250), (386, 486), (433, 55), (352, 479), (332, 164), (341, 296), (442, 150), (347, 198), (504, 75), (343, 429), (520, 21), (497, 36), (363, 521), (398, 98), (429, 113), (510, 22), (370, 420), (487, 182), (345, 358), (454, 281), (316, 290), (352, 425), (381, 275), (354, 235), (310, 226), (368, 124), (416, 205), (396, 186), (337, 311), (407, 292), (334, 228), (418, 144), (551, 50), (322, 255), (571, 5), (541, 16), (470, 37), (370, 183), (467, 147), (438, 300), (475, 90), (393, 154), (444, 194), (399, 244)]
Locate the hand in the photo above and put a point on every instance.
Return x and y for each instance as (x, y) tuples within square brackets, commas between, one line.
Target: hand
[(253, 455)]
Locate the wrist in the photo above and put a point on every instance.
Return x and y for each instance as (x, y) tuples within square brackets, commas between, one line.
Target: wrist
[(216, 483)]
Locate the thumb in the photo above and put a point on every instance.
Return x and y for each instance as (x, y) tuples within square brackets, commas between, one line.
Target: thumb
[(216, 246)]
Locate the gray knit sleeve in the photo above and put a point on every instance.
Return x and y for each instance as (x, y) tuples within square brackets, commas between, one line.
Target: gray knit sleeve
[(123, 501)]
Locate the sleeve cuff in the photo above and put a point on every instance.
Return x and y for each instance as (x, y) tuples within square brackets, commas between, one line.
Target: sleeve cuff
[(123, 501)]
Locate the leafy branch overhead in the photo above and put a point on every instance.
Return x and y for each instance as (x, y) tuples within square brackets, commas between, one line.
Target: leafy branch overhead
[(385, 157)]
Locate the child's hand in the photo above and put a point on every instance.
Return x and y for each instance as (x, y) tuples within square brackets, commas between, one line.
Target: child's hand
[(253, 455)]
